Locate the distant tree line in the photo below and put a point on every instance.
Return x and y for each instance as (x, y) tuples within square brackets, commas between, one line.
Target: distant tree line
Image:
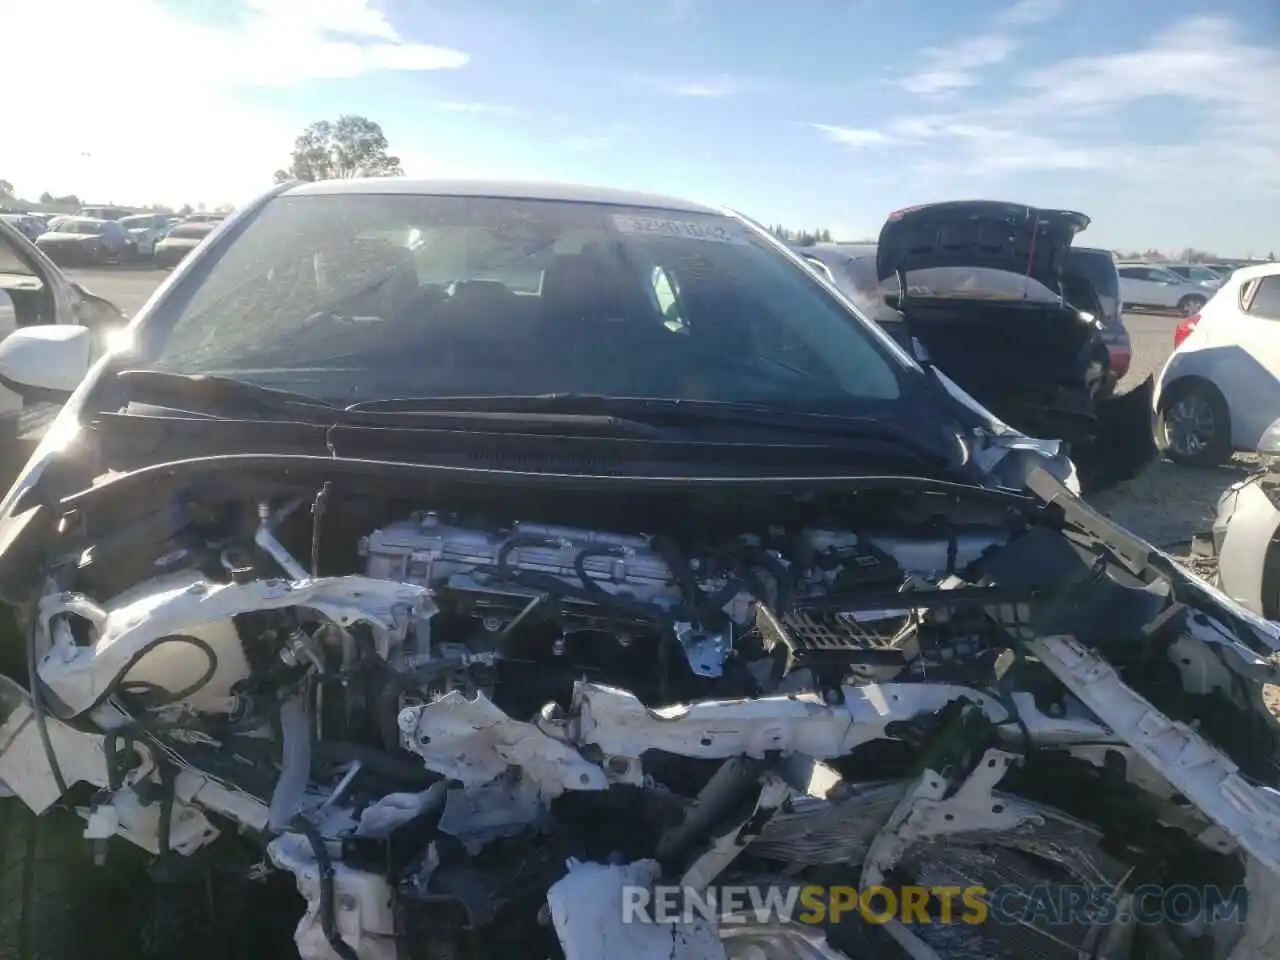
[(800, 238)]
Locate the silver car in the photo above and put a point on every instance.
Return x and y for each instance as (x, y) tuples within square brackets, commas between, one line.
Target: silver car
[(1198, 273), (1153, 286)]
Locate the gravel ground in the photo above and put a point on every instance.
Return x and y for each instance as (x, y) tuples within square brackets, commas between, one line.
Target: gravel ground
[(1167, 505)]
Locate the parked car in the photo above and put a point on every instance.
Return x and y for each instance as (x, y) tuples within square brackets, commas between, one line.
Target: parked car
[(1152, 286), (180, 241), (1220, 389), (104, 213), (1044, 353), (204, 218), (147, 230), (78, 240), (1092, 271), (309, 584), (28, 226), (1199, 273), (35, 294)]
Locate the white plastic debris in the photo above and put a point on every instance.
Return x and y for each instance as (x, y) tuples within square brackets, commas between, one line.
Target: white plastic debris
[(588, 916)]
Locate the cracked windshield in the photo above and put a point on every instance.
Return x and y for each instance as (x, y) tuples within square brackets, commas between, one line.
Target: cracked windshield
[(637, 479)]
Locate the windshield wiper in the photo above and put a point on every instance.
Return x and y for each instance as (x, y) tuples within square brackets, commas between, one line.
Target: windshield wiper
[(222, 395), (207, 391), (688, 413)]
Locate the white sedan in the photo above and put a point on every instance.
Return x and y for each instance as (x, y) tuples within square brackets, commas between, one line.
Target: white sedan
[(1220, 390)]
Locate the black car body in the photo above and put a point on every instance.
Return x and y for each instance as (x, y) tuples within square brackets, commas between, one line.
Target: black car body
[(996, 296), (465, 555)]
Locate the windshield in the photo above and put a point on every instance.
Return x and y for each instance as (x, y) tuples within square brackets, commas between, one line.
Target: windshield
[(194, 232), (86, 227), (136, 223), (358, 297)]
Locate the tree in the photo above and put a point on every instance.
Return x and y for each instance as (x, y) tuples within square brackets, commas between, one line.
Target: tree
[(185, 211), (354, 146), (6, 189), (46, 197)]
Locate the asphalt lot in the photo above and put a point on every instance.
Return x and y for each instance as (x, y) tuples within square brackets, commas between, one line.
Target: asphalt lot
[(129, 289)]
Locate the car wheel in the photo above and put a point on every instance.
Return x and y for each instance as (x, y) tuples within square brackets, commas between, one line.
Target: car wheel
[(1191, 304), (1193, 427), (55, 904)]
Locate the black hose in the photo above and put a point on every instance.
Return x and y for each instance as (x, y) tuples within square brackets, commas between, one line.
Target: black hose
[(637, 609), (203, 646), (328, 914), (37, 711), (589, 592), (681, 570), (781, 576)]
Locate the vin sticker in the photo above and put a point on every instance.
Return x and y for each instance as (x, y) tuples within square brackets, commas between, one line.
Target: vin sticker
[(679, 229)]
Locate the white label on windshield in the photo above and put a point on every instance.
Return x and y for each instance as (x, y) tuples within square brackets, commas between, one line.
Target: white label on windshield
[(679, 229)]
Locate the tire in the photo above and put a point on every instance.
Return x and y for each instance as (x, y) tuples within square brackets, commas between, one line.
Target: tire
[(1193, 427), (1191, 304), (55, 904)]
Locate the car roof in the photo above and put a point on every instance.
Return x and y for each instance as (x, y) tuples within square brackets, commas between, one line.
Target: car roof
[(1257, 270), (505, 189)]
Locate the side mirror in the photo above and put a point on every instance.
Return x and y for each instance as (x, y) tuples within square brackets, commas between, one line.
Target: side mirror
[(50, 359)]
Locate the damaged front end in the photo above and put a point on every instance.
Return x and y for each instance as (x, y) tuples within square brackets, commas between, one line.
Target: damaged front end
[(472, 721)]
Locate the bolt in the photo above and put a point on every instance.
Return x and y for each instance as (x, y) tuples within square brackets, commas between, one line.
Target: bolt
[(346, 903), (558, 646)]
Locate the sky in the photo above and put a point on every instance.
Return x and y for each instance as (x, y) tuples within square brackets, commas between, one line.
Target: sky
[(1160, 119)]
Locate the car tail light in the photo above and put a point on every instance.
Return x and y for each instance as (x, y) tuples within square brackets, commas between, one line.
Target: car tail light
[(1184, 329), (1120, 360)]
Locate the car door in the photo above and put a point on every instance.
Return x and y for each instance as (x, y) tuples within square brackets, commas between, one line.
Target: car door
[(1148, 286), (34, 292)]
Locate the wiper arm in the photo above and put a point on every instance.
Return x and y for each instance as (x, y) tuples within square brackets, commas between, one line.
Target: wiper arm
[(210, 391), (201, 392)]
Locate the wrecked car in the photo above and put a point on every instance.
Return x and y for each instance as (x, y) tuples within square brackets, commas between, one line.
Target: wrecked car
[(435, 562), (994, 294)]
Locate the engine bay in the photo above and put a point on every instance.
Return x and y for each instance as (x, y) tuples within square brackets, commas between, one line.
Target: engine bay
[(424, 715)]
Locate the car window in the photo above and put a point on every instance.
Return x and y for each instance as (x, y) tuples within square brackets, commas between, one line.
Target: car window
[(1264, 301), (85, 227), (366, 296), (1184, 272), (189, 232), (11, 262)]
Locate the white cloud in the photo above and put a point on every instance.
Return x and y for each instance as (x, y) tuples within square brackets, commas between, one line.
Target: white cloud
[(959, 65), (1029, 12), (708, 88), (183, 127), (851, 136), (1068, 116)]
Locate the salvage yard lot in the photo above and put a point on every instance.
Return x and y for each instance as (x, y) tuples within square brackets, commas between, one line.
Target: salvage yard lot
[(1167, 505)]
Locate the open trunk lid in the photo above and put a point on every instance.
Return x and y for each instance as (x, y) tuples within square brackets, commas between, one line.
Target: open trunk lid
[(990, 234)]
